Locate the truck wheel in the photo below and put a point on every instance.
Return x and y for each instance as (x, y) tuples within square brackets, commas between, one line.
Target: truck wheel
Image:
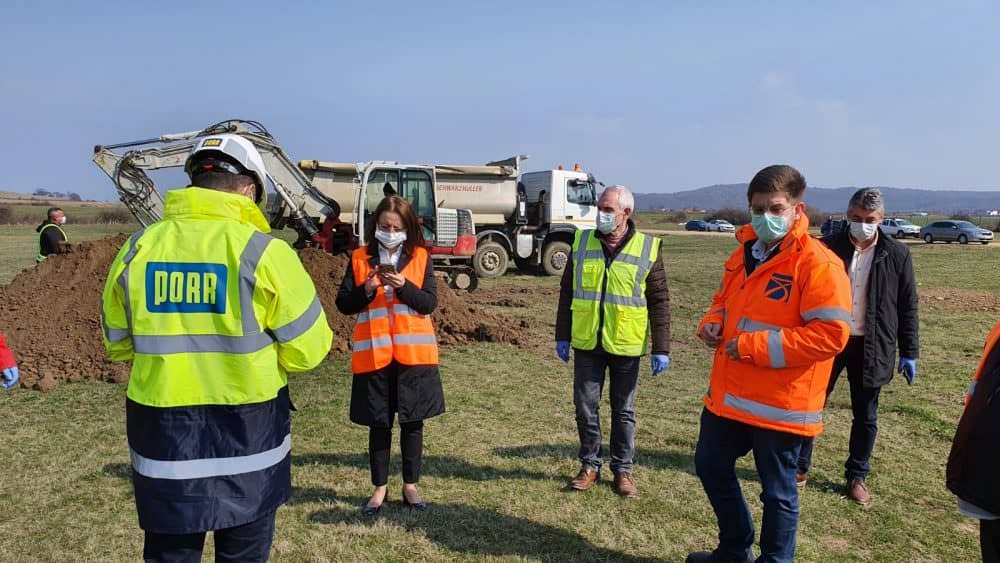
[(899, 234), (462, 279), (525, 265), (490, 260), (554, 258)]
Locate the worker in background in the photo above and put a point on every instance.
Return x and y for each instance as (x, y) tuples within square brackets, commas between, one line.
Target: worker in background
[(883, 317), (974, 461), (613, 296), (8, 366), (391, 288), (51, 236), (213, 314), (779, 318)]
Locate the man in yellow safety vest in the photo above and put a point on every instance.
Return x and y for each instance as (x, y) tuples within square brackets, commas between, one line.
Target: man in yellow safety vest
[(213, 314)]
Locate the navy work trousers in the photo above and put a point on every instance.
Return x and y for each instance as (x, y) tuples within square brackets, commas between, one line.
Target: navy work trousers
[(721, 442), (250, 543)]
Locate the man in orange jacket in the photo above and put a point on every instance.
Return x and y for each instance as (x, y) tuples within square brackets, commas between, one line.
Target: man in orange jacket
[(776, 323)]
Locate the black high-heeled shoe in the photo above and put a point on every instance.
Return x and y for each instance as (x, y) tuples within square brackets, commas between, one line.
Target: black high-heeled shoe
[(421, 506), (367, 510)]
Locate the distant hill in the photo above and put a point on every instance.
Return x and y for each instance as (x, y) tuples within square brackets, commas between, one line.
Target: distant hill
[(828, 199)]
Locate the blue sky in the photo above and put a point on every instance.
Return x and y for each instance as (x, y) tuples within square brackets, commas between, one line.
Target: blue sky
[(660, 96)]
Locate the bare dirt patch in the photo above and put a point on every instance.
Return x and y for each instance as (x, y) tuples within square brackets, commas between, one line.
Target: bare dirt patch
[(50, 314), (959, 300)]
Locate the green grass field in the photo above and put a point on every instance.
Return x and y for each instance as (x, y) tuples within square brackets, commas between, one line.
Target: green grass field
[(497, 461)]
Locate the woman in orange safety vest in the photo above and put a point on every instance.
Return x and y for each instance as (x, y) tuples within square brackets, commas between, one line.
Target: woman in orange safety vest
[(391, 287)]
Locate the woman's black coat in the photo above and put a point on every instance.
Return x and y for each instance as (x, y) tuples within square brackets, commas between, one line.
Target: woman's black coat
[(414, 392)]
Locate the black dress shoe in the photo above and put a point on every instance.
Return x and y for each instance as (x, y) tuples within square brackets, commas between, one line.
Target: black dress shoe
[(414, 505), (707, 557), (368, 510)]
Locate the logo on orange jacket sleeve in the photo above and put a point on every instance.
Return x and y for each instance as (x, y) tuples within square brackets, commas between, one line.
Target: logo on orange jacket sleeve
[(779, 288)]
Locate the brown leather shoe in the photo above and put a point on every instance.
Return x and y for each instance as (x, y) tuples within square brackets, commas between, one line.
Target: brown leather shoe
[(800, 480), (858, 492), (584, 479), (625, 485)]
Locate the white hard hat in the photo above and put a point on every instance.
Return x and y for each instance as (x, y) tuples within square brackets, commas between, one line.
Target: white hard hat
[(220, 152)]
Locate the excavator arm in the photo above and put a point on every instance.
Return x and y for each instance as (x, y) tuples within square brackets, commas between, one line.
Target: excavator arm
[(293, 199)]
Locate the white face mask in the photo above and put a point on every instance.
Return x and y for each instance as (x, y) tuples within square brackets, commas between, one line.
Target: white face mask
[(62, 220), (390, 240), (863, 231), (605, 222)]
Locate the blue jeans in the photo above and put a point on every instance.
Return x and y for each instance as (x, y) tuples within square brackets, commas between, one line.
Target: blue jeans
[(864, 408), (720, 443), (588, 384)]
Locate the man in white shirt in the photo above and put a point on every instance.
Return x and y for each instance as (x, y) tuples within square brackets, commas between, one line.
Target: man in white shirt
[(883, 318)]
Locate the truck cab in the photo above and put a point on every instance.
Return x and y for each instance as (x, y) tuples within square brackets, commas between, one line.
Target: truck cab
[(561, 197)]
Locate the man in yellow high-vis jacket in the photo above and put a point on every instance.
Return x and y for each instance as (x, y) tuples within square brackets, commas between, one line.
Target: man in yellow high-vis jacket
[(213, 314), (613, 296)]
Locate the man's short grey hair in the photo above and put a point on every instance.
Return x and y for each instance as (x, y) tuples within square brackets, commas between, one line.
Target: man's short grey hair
[(625, 199), (869, 199)]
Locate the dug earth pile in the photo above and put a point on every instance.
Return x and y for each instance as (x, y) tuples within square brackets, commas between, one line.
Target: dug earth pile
[(50, 314)]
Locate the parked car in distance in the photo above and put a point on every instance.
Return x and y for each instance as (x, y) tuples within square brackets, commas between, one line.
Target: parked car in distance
[(696, 225), (721, 225), (900, 228), (831, 227), (952, 230)]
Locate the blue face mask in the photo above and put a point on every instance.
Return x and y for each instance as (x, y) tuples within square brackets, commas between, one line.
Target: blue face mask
[(605, 222), (769, 228)]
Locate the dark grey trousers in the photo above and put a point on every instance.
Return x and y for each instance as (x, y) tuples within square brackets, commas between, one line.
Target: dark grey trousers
[(589, 369)]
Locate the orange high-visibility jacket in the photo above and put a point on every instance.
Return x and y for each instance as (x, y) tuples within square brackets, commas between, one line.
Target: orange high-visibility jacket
[(407, 336), (791, 316)]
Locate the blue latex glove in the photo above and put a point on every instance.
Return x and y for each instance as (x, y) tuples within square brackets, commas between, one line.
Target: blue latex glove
[(908, 367), (660, 363), (10, 377), (562, 350)]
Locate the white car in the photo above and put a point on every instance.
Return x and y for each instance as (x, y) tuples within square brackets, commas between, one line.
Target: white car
[(721, 225), (900, 228)]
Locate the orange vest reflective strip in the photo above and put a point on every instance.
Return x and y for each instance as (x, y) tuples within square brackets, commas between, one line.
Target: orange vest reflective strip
[(408, 336)]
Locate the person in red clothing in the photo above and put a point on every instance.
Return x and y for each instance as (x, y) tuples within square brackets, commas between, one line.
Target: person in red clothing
[(8, 365)]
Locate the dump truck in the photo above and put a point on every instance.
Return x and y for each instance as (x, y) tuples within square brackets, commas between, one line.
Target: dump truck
[(322, 215), (527, 218)]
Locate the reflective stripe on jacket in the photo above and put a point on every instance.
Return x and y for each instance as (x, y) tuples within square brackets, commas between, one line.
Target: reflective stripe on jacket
[(212, 313), (610, 299), (791, 317), (385, 331), (42, 255)]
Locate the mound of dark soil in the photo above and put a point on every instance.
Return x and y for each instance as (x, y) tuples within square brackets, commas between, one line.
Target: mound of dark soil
[(50, 314)]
